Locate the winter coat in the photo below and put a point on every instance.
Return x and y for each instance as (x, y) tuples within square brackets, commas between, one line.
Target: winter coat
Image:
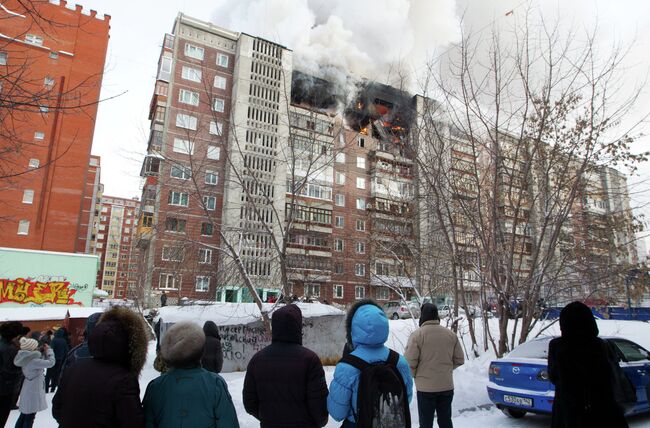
[(433, 352), (579, 368), (32, 394), (103, 391), (10, 375), (367, 330), (285, 383), (191, 397), (81, 351), (60, 344), (212, 359)]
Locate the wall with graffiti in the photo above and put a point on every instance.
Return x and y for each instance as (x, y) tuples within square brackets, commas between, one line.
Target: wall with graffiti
[(43, 278)]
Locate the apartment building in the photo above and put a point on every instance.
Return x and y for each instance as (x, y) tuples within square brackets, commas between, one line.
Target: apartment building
[(53, 58)]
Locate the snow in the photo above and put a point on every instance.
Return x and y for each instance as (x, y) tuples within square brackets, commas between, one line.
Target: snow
[(232, 314), (83, 312), (33, 313), (471, 405)]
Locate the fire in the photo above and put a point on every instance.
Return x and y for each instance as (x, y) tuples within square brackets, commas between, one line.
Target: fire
[(364, 130)]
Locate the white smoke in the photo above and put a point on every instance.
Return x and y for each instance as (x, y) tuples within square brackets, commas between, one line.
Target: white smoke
[(381, 40)]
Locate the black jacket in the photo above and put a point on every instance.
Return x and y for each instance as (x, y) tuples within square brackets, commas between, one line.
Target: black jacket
[(10, 375), (285, 382), (212, 359), (103, 391), (579, 367), (60, 345)]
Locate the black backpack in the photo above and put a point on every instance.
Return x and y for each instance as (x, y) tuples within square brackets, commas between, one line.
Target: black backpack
[(382, 401)]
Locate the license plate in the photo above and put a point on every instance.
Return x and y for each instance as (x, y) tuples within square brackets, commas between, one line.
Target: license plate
[(520, 401)]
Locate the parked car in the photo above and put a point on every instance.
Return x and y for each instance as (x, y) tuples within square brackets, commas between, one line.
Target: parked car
[(519, 383), (396, 309)]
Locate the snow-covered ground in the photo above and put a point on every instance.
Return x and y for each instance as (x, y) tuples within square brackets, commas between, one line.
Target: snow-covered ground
[(471, 403)]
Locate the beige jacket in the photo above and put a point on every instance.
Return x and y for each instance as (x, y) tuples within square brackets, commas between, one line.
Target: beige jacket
[(433, 352)]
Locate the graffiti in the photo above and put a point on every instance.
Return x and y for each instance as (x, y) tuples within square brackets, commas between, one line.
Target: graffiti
[(239, 341), (24, 291)]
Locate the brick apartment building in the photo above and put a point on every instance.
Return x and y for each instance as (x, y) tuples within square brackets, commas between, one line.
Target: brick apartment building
[(114, 234), (47, 177)]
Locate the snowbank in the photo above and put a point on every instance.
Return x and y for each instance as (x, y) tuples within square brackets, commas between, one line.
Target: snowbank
[(33, 314)]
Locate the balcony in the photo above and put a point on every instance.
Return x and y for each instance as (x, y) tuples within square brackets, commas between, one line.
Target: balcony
[(392, 281), (151, 165)]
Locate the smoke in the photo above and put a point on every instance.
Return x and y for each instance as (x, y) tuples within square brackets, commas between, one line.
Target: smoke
[(381, 40)]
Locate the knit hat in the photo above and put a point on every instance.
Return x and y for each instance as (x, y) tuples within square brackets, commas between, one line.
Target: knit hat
[(182, 345), (28, 344), (428, 312)]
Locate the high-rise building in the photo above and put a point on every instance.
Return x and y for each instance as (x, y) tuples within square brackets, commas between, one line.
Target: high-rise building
[(51, 65)]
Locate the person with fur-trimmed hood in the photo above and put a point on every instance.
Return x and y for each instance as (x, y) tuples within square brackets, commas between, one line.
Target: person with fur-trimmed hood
[(367, 331), (81, 351), (32, 361), (103, 391), (285, 383), (187, 395)]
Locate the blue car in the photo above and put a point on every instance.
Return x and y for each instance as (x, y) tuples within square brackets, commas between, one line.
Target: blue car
[(519, 382)]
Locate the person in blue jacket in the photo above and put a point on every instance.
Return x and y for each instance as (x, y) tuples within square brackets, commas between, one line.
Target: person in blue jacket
[(367, 331)]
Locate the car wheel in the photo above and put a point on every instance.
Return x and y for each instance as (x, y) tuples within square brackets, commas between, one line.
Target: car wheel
[(514, 413), (395, 316)]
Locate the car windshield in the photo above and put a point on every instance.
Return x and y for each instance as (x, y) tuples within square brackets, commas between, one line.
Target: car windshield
[(631, 351), (532, 349)]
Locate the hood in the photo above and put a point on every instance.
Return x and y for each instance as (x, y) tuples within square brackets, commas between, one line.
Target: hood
[(286, 325), (577, 321), (25, 357), (368, 325), (428, 312), (211, 330), (10, 330), (60, 333), (91, 322), (125, 324), (182, 345)]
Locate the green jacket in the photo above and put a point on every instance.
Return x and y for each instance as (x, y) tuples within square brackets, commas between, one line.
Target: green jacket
[(189, 398)]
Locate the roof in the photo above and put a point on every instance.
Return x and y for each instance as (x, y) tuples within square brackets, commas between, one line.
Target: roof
[(33, 313), (83, 312)]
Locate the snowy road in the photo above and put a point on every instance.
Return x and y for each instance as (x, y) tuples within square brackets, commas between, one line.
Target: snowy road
[(471, 404)]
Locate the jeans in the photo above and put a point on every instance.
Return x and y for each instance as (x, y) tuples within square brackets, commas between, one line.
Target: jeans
[(6, 402), (25, 420), (52, 376), (430, 403)]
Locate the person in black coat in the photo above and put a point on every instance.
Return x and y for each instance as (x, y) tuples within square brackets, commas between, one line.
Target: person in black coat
[(212, 359), (580, 369), (285, 382), (60, 347), (11, 377), (103, 391)]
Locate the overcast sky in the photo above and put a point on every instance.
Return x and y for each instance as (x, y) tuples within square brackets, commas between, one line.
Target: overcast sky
[(137, 29)]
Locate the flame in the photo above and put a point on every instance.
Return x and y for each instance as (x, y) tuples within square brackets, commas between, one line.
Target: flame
[(364, 130)]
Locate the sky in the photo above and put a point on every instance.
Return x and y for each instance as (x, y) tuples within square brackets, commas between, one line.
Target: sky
[(368, 29)]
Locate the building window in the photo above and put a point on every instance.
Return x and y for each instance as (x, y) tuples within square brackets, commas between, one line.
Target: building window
[(172, 254), (361, 162), (222, 60), (337, 292), (44, 109), (219, 82), (219, 105), (339, 245), (183, 146), (210, 203), (359, 292), (178, 198), (194, 51), (340, 178), (207, 229), (38, 135), (23, 227), (100, 245), (28, 196), (168, 281), (48, 82), (181, 172), (312, 290), (216, 128), (3, 58), (383, 293), (193, 74), (211, 177), (360, 269), (205, 256), (188, 97), (361, 248), (214, 152), (340, 221), (34, 39), (34, 163), (186, 121), (340, 158), (339, 200), (54, 55), (361, 225), (361, 183), (361, 203), (339, 268), (100, 236), (361, 142), (202, 283)]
